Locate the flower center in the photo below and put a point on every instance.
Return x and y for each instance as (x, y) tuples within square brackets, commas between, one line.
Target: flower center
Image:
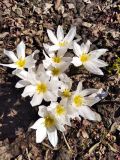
[(49, 121), (56, 59), (41, 88), (55, 71), (60, 110), (21, 63), (84, 57), (78, 100), (63, 43), (66, 93)]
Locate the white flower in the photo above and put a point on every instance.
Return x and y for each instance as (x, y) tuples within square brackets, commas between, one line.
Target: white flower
[(47, 125), (81, 99), (20, 61), (28, 77), (65, 88), (88, 59), (55, 72), (40, 87), (60, 111), (60, 42), (55, 59)]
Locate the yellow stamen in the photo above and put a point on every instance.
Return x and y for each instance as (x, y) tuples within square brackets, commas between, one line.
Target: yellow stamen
[(60, 110), (49, 121), (21, 63), (84, 57), (63, 43), (41, 87), (66, 93), (78, 100), (55, 71), (56, 59)]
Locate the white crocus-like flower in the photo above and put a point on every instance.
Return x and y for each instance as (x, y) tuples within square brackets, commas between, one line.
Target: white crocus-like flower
[(90, 60), (20, 62), (81, 99), (28, 77), (55, 72), (60, 111), (55, 60), (65, 88), (60, 42), (47, 126), (41, 87)]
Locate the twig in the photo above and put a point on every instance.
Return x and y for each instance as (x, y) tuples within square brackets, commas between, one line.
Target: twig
[(28, 154), (67, 143)]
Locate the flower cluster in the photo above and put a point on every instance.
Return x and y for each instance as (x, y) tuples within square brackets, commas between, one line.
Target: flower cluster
[(49, 82)]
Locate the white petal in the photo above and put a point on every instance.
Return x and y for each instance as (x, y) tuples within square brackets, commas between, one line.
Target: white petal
[(49, 96), (90, 101), (9, 65), (53, 48), (46, 63), (97, 53), (52, 136), (22, 74), (62, 51), (76, 61), (60, 33), (30, 62), (44, 78), (21, 84), (36, 100), (87, 47), (40, 69), (91, 67), (60, 127), (52, 37), (79, 87), (99, 63), (21, 50), (71, 34), (42, 111), (38, 123), (87, 113), (11, 55), (64, 67), (86, 92), (32, 76), (47, 48), (16, 71), (77, 49), (41, 134), (28, 91)]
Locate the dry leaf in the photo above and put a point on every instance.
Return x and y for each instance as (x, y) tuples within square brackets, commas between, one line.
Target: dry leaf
[(87, 1), (91, 150), (85, 134), (115, 125), (70, 5), (57, 4), (47, 7), (112, 148)]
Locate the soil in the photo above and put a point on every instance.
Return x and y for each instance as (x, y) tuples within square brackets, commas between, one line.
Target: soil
[(98, 21)]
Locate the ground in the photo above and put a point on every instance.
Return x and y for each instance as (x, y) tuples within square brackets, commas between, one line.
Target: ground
[(28, 20)]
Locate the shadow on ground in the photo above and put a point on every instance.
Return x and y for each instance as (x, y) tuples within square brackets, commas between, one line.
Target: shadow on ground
[(15, 112)]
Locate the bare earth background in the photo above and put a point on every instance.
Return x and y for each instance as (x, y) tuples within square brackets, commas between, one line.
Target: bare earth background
[(98, 21)]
